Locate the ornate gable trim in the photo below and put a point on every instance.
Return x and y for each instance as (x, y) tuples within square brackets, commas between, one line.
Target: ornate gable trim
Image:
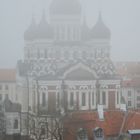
[(80, 66)]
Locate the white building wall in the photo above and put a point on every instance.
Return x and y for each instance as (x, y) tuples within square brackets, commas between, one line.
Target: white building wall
[(10, 118), (129, 98), (8, 89)]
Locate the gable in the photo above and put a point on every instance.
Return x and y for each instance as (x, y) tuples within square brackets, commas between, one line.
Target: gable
[(80, 72)]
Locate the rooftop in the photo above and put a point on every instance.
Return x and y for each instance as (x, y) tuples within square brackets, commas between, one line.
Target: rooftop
[(111, 125), (7, 75)]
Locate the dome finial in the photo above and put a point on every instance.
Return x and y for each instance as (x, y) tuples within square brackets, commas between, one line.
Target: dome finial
[(43, 18), (33, 22), (100, 16), (43, 14)]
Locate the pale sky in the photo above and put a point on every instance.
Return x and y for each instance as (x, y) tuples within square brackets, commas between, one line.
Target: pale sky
[(121, 16)]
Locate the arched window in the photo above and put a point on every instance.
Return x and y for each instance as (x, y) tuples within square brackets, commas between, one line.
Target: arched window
[(82, 134), (92, 98), (58, 99), (83, 99), (117, 97), (16, 124), (99, 132), (68, 33), (43, 99), (71, 99), (103, 98)]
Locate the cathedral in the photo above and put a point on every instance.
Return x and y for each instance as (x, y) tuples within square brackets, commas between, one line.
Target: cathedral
[(66, 64)]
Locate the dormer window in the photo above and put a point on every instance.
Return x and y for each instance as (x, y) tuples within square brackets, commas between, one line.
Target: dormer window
[(16, 124), (98, 132), (82, 134)]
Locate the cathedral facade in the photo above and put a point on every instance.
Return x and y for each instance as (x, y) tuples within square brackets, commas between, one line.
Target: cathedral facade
[(67, 64)]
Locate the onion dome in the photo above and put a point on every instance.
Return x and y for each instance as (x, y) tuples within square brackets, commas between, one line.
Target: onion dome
[(44, 30), (30, 33), (65, 7), (100, 30)]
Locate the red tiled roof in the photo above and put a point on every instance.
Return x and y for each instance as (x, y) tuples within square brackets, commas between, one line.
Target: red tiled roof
[(132, 121), (134, 82), (128, 68), (111, 124), (7, 75)]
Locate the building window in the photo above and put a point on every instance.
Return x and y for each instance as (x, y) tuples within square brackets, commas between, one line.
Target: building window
[(103, 98), (138, 98), (58, 99), (99, 133), (92, 98), (82, 134), (16, 97), (46, 54), (28, 54), (16, 124), (71, 99), (0, 97), (98, 97), (117, 97), (0, 107), (75, 55), (138, 105), (44, 99), (129, 103), (129, 93), (138, 91), (83, 99), (6, 96), (6, 87), (38, 53)]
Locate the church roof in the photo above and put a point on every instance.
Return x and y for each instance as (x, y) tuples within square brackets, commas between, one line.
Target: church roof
[(30, 33), (41, 31), (44, 30), (100, 30), (65, 7)]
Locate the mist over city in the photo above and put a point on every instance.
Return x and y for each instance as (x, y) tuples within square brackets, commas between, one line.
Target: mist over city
[(69, 70), (122, 17)]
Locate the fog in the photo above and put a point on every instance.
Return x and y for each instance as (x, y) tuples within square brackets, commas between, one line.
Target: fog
[(121, 16)]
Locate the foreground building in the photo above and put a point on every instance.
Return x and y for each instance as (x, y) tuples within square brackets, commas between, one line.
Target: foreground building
[(115, 125), (129, 71), (8, 85)]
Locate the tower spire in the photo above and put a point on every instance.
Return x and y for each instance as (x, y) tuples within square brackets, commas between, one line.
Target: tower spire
[(100, 5), (33, 22), (100, 16), (43, 14)]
